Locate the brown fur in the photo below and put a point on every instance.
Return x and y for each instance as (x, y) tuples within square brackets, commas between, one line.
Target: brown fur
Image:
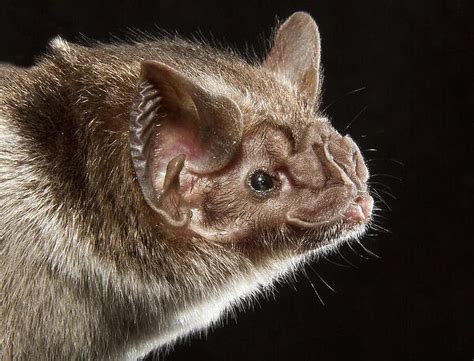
[(88, 270)]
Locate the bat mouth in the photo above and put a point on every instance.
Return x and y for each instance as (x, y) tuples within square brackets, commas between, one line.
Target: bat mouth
[(350, 223), (359, 211)]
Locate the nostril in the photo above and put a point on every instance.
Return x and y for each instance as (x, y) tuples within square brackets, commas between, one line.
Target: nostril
[(365, 202), (360, 210)]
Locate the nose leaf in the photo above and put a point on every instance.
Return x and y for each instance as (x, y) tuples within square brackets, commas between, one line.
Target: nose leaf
[(325, 159), (334, 168)]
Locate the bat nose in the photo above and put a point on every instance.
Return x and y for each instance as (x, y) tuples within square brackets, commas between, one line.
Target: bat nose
[(335, 165), (360, 210), (347, 156)]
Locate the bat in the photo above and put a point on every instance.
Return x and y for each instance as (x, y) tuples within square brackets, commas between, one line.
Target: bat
[(148, 188)]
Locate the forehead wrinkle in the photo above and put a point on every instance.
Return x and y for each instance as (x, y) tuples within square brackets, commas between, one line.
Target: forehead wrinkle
[(292, 127), (289, 135), (271, 139)]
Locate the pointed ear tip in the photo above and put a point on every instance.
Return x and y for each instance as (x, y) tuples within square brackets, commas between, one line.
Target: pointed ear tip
[(304, 18), (301, 15)]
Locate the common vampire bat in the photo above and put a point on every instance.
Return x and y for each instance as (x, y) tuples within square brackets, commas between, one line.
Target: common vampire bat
[(148, 188)]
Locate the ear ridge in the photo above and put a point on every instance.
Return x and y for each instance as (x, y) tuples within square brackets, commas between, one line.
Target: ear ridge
[(141, 126), (169, 199), (296, 54), (166, 202)]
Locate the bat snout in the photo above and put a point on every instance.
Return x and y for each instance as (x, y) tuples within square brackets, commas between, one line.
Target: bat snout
[(360, 210)]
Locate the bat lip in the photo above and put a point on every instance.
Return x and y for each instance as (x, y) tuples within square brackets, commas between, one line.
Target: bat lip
[(358, 211), (339, 229)]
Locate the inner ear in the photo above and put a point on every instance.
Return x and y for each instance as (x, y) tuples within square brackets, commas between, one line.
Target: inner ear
[(296, 53), (176, 127)]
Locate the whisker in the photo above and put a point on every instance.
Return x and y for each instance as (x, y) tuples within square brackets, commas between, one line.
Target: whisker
[(396, 161), (387, 193), (386, 175), (368, 251), (342, 97), (319, 276), (380, 198), (378, 227), (345, 259), (371, 235), (354, 119), (380, 184), (377, 216), (376, 206), (314, 288), (335, 263), (357, 253), (317, 293), (324, 281)]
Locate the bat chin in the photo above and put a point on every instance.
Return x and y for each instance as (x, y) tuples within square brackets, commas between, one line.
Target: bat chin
[(328, 238), (345, 229)]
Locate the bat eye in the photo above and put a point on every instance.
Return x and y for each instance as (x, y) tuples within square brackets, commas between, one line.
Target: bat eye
[(261, 181)]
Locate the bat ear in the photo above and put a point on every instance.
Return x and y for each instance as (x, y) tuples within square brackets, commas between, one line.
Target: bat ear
[(175, 124), (296, 53)]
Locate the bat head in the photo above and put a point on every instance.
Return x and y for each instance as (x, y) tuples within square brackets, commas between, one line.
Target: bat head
[(249, 163)]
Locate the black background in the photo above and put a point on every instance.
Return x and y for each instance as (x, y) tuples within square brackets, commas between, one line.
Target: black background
[(413, 60)]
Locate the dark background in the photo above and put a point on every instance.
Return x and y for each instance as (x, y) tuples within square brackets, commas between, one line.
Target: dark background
[(413, 61)]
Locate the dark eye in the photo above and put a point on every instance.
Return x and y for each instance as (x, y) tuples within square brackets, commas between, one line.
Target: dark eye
[(261, 181)]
